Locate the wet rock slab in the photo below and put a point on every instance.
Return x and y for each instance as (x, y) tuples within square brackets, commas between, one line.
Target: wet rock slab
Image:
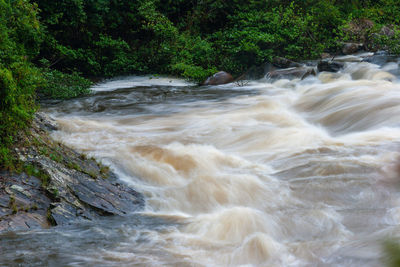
[(65, 186), (23, 203)]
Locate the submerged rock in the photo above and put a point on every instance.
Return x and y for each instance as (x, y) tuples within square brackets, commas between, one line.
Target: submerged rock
[(381, 58), (301, 73), (330, 66), (63, 186), (279, 68), (218, 78)]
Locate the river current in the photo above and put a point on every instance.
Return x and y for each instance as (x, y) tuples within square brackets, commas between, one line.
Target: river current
[(283, 172)]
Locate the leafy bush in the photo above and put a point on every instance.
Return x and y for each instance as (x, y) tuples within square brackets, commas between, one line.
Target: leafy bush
[(256, 36), (59, 85), (390, 42), (192, 72), (193, 58), (19, 41)]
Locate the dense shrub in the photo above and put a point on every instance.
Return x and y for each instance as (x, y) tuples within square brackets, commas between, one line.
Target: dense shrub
[(19, 42), (194, 38), (59, 85)]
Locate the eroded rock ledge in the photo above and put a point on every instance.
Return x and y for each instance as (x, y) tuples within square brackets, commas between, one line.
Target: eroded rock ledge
[(59, 185)]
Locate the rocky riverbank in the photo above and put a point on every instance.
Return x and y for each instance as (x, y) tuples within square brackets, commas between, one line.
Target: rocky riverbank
[(283, 68), (58, 185)]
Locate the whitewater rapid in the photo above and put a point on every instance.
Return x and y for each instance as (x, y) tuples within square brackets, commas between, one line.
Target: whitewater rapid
[(272, 173)]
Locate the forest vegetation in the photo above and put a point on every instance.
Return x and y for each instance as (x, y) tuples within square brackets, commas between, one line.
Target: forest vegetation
[(53, 48)]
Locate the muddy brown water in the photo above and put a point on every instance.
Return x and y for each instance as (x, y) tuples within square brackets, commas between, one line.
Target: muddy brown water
[(272, 173)]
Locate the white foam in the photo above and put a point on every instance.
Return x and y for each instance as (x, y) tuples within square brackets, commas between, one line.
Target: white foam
[(135, 81)]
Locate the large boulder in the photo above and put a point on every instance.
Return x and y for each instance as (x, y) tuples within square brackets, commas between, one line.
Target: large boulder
[(330, 66), (218, 78)]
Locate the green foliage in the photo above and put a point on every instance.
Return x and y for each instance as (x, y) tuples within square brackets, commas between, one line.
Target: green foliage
[(193, 38), (31, 170), (19, 41), (195, 73), (6, 160), (139, 38), (256, 36), (59, 85), (101, 38), (390, 43), (193, 58)]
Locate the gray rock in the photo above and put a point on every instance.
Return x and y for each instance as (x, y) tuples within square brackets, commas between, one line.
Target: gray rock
[(44, 120), (218, 78), (107, 198), (78, 194), (23, 221), (23, 203), (21, 190), (63, 213)]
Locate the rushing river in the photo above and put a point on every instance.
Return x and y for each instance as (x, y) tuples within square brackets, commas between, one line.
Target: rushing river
[(269, 173)]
